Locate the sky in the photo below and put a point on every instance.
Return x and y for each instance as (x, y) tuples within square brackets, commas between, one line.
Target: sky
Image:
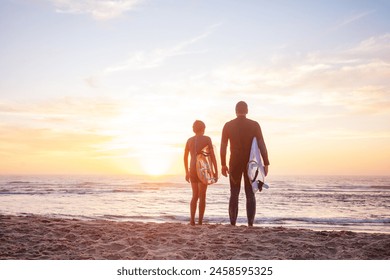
[(113, 87)]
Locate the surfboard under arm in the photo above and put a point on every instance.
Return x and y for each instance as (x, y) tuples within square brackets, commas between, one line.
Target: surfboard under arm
[(204, 167), (255, 168)]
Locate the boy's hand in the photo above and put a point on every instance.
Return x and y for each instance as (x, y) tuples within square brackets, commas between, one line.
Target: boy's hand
[(225, 171)]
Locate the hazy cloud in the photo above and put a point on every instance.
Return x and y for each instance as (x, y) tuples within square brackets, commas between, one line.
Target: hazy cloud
[(98, 9), (355, 79), (373, 47), (354, 17), (67, 114), (155, 58)]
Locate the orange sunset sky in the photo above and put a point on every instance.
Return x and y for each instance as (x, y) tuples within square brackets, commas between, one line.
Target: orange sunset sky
[(113, 87)]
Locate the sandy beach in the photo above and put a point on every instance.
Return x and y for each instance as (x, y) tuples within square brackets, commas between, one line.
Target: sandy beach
[(41, 238)]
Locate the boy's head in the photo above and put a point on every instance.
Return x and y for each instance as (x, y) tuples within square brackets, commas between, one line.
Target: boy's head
[(198, 127)]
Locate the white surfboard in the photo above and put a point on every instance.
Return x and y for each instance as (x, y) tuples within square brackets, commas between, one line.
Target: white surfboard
[(204, 167), (255, 168)]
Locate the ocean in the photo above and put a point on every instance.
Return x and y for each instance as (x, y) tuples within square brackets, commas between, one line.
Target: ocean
[(360, 204)]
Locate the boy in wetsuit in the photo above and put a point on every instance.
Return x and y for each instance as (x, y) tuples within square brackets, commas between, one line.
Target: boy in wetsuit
[(194, 146), (240, 133)]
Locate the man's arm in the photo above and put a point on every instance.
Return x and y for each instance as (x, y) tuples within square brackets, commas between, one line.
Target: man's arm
[(224, 143), (263, 149), (213, 161)]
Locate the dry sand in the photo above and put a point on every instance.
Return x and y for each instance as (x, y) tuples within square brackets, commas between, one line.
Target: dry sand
[(41, 238)]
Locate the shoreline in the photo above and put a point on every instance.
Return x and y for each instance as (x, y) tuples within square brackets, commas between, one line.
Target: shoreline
[(41, 238)]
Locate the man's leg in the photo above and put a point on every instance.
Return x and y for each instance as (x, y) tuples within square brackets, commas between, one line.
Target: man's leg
[(250, 201), (235, 185)]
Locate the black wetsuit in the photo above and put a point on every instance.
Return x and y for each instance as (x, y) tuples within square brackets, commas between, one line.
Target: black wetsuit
[(240, 133), (195, 145)]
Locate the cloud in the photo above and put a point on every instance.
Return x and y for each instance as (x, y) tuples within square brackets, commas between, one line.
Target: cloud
[(66, 113), (56, 135), (341, 84), (98, 9), (156, 57), (364, 100), (354, 17), (373, 47), (26, 149), (39, 140)]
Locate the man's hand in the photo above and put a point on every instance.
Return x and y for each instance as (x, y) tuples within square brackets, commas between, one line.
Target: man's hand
[(225, 171)]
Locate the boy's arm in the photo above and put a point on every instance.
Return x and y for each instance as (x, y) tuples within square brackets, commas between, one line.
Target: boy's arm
[(186, 152)]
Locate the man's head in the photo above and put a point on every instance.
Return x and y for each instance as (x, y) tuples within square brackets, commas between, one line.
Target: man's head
[(198, 127), (241, 108)]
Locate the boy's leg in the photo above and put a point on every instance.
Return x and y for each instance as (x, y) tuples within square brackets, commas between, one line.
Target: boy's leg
[(202, 201)]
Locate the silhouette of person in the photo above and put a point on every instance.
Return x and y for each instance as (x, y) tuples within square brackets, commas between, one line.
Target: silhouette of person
[(240, 132), (193, 147)]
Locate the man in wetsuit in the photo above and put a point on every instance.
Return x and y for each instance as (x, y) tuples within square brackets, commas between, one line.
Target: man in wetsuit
[(240, 133)]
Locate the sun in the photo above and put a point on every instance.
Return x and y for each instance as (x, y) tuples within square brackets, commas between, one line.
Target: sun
[(155, 162), (154, 166), (153, 146)]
